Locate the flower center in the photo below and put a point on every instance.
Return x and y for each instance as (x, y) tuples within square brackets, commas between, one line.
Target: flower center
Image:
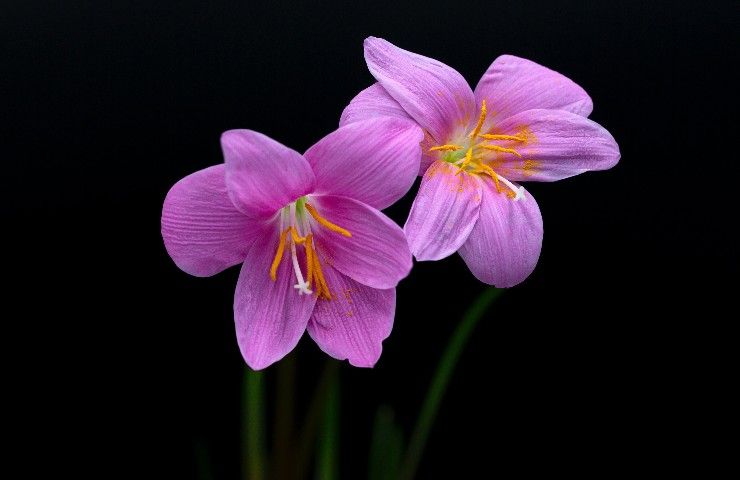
[(475, 153), (295, 231)]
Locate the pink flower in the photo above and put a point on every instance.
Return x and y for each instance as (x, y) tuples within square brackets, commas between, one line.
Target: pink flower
[(317, 253), (523, 122)]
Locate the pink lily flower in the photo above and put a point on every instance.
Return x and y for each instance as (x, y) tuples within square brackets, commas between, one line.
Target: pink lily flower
[(317, 253), (523, 122)]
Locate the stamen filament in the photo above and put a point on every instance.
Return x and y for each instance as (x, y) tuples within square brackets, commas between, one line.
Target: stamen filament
[(321, 287), (446, 148), (481, 119), (326, 223), (278, 255), (489, 136), (309, 260), (496, 148), (296, 238), (488, 170)]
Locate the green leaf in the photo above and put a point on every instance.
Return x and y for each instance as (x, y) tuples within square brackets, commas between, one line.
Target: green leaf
[(386, 446), (437, 388)]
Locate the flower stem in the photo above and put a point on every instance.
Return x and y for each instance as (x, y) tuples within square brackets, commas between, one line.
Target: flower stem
[(282, 446), (441, 378), (308, 432), (253, 421), (327, 460), (203, 461)]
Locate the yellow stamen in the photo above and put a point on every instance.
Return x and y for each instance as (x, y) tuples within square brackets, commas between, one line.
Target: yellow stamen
[(321, 287), (296, 238), (309, 258), (489, 136), (481, 119), (278, 256), (490, 172), (496, 148), (468, 159), (446, 148), (325, 222)]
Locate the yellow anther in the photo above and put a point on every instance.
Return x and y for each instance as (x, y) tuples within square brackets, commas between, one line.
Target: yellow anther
[(446, 148), (309, 258), (483, 168), (278, 255), (481, 119), (489, 136), (496, 148), (321, 287), (296, 238), (468, 159), (512, 193), (325, 222)]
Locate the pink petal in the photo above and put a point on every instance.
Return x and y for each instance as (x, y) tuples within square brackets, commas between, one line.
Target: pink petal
[(354, 323), (435, 95), (504, 246), (270, 315), (376, 254), (560, 145), (426, 158), (202, 230), (263, 175), (374, 161), (373, 102), (512, 85), (444, 212)]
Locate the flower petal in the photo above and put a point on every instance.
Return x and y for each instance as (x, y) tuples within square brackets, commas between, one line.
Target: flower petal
[(427, 159), (202, 230), (263, 175), (504, 246), (270, 315), (354, 323), (373, 102), (376, 254), (559, 145), (374, 161), (512, 85), (435, 95), (444, 212)]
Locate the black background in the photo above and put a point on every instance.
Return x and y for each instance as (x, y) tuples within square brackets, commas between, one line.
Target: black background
[(607, 359)]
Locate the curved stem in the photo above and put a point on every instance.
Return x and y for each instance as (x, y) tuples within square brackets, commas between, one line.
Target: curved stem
[(441, 378)]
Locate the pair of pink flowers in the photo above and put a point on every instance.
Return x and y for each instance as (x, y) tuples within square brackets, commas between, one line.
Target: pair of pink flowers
[(318, 254)]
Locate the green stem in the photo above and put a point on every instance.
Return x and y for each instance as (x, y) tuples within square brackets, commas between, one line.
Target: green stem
[(327, 465), (283, 437), (203, 461), (253, 421), (311, 424), (441, 378)]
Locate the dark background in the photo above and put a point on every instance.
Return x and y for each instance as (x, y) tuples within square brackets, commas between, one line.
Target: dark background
[(607, 359)]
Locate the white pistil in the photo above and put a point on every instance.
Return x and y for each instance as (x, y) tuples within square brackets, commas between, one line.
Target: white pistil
[(302, 286), (518, 191)]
